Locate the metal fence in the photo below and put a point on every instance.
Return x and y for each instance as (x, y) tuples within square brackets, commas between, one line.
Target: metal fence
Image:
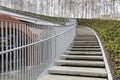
[(27, 49)]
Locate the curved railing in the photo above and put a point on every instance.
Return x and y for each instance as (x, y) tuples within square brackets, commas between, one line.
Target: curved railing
[(27, 49)]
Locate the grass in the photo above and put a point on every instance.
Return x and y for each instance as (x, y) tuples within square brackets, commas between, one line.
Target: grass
[(61, 21), (109, 32)]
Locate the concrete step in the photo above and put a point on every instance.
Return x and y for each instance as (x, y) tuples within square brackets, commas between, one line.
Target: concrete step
[(85, 41), (80, 63), (78, 46), (64, 77), (78, 71), (83, 53), (85, 44), (84, 49), (82, 57), (85, 37)]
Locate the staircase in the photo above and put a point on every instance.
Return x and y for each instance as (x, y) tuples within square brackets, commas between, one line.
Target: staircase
[(83, 60)]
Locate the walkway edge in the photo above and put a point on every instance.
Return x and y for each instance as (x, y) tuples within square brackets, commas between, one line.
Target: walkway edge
[(104, 56)]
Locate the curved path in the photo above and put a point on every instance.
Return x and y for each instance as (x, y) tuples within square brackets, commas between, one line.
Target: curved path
[(83, 60)]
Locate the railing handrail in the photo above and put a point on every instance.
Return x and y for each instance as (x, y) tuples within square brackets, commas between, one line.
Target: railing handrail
[(34, 43)]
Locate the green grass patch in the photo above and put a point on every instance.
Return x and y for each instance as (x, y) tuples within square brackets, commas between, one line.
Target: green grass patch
[(109, 32), (58, 20)]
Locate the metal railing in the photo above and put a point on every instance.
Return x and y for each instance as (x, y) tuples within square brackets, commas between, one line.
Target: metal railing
[(27, 49)]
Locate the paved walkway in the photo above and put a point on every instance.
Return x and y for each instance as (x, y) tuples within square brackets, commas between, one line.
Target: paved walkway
[(83, 60)]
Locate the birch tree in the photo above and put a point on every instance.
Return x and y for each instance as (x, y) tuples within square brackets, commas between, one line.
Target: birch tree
[(67, 8)]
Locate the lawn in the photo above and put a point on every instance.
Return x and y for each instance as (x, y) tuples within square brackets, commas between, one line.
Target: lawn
[(109, 33)]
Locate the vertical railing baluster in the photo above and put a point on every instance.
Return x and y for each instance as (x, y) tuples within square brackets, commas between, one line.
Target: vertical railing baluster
[(37, 54), (39, 50), (17, 52), (20, 50), (26, 34), (28, 51), (2, 34), (36, 46), (31, 54), (10, 47), (22, 54), (14, 52), (6, 45)]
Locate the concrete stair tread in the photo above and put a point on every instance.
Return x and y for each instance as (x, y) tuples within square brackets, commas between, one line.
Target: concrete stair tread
[(78, 46), (64, 77), (81, 57), (84, 49), (83, 71), (85, 35), (82, 53), (85, 44), (85, 41), (80, 63), (85, 38)]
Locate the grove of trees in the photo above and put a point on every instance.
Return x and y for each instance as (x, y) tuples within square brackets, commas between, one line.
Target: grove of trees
[(68, 8)]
